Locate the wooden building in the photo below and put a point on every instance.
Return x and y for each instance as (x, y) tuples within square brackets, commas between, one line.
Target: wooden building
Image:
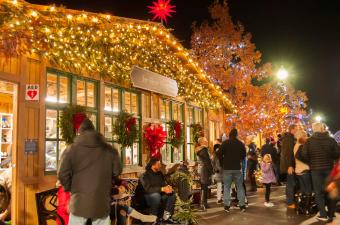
[(51, 57)]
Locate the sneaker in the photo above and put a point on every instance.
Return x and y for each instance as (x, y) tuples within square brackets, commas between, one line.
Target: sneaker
[(219, 201), (243, 208), (322, 218), (227, 208), (266, 204), (271, 204)]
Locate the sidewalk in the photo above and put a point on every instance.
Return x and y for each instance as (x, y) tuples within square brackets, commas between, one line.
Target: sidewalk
[(257, 213)]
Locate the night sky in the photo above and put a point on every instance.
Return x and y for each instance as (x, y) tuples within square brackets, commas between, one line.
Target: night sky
[(302, 35)]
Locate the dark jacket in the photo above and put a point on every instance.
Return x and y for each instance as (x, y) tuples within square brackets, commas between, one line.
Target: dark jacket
[(86, 170), (270, 149), (233, 152), (320, 152), (217, 165), (287, 152), (205, 167), (152, 182)]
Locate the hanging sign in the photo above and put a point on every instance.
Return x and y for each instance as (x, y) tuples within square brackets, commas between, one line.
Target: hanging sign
[(148, 80), (31, 146), (32, 92)]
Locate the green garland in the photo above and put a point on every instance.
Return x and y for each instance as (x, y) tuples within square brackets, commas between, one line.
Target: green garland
[(125, 129), (197, 131), (175, 133), (66, 124)]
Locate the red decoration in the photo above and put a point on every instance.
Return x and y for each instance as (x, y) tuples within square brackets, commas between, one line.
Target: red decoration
[(78, 118), (178, 129), (161, 10), (129, 124), (154, 136)]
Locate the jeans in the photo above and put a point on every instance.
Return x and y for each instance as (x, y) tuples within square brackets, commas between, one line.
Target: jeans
[(305, 183), (155, 201), (319, 178), (235, 176), (219, 191), (204, 191), (267, 193), (120, 213), (290, 189), (277, 172), (76, 220)]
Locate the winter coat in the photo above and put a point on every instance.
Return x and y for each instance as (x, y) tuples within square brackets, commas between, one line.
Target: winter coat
[(287, 152), (152, 182), (272, 151), (320, 152), (268, 175), (205, 168), (86, 170), (300, 167), (252, 160), (218, 176), (233, 151)]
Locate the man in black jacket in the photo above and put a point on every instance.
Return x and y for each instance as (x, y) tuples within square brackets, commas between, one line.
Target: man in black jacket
[(320, 152), (233, 152), (157, 192), (287, 163)]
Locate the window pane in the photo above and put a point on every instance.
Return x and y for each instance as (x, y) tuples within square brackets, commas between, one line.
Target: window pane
[(134, 104), (135, 153), (90, 94), (115, 94), (198, 115), (188, 135), (62, 148), (128, 156), (108, 99), (108, 128), (52, 88), (175, 111), (93, 118), (147, 105), (127, 102), (81, 92), (189, 115), (167, 110), (162, 110), (63, 90), (51, 156), (178, 154), (51, 123)]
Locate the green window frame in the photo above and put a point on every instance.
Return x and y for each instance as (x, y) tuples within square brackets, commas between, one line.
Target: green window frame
[(117, 99), (58, 83), (195, 115)]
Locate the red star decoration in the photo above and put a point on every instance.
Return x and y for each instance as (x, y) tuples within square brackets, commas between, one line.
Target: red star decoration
[(161, 10)]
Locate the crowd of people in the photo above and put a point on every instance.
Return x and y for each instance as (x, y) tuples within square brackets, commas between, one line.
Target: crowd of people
[(90, 168)]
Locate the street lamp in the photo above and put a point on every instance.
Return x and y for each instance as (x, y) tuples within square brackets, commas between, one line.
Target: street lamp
[(318, 118), (282, 74)]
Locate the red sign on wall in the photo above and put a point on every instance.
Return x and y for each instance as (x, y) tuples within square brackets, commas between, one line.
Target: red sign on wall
[(32, 92)]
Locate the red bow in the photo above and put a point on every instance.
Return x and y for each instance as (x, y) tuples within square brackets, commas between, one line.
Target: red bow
[(129, 124), (155, 136), (78, 118)]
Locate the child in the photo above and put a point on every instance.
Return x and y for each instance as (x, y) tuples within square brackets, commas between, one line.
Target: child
[(268, 177)]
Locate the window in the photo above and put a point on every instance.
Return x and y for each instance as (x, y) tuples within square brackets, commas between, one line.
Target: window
[(59, 94), (57, 98), (195, 115), (117, 99), (147, 105)]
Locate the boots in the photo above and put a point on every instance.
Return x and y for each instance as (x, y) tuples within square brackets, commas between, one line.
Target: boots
[(308, 205), (144, 218)]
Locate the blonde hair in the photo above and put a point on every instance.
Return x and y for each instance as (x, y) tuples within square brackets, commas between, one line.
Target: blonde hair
[(318, 127), (300, 135), (267, 158), (202, 140)]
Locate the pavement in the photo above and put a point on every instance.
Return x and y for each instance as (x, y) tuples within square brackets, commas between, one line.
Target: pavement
[(257, 213)]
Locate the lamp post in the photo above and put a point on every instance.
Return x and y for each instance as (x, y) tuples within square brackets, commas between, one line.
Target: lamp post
[(282, 74)]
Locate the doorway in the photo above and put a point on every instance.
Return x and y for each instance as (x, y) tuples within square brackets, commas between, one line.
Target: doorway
[(8, 118)]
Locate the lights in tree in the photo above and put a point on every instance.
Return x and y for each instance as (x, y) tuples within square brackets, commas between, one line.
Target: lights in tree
[(161, 10)]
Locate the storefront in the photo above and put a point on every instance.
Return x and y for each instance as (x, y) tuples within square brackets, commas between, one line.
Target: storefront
[(54, 70)]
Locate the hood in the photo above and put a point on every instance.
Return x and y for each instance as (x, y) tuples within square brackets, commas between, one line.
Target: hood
[(90, 139), (319, 135)]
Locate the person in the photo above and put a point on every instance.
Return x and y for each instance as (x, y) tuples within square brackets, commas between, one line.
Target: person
[(233, 152), (157, 192), (86, 170), (5, 194), (205, 169), (287, 163), (279, 145), (302, 170), (252, 165), (320, 152), (269, 148), (218, 170), (268, 177)]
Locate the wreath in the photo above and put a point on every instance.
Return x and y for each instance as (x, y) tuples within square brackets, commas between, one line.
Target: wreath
[(70, 121), (154, 136), (176, 133), (125, 129), (197, 131)]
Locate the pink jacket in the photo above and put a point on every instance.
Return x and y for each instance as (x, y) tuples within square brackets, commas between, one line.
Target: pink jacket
[(268, 175)]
